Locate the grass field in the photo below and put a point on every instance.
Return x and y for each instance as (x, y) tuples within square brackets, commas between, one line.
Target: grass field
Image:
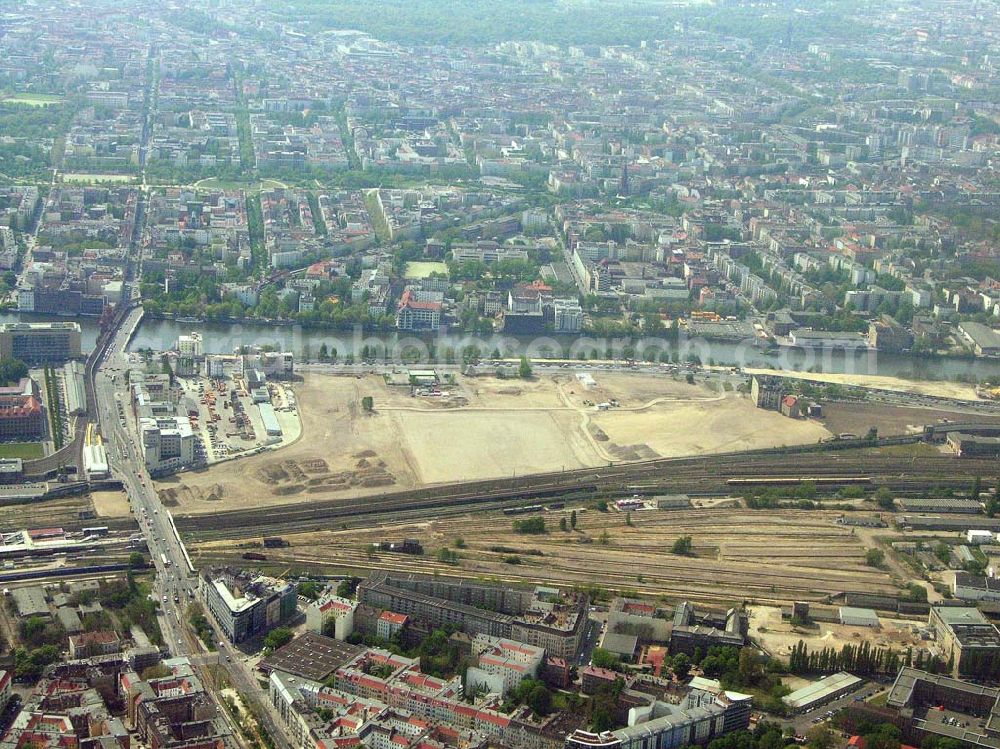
[(424, 269), (251, 188), (23, 450), (93, 179), (33, 100)]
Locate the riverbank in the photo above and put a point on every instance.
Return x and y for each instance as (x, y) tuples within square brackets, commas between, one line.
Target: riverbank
[(158, 334), (935, 388)]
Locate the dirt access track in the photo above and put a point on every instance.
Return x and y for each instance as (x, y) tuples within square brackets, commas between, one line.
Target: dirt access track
[(481, 428)]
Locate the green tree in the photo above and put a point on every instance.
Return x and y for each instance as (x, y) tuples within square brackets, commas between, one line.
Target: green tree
[(681, 666), (277, 638), (530, 526), (310, 589), (572, 519), (347, 586), (750, 668), (875, 557), (368, 404), (943, 552), (12, 371), (681, 546), (884, 498), (539, 699), (32, 628), (820, 737), (447, 556), (605, 659), (524, 369), (136, 560), (885, 736)]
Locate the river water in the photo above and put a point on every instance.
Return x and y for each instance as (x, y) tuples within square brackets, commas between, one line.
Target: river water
[(224, 338)]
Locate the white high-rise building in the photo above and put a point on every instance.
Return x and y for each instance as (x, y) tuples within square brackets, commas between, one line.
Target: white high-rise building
[(191, 345)]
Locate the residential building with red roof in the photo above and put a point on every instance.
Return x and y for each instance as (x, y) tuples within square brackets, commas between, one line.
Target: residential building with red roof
[(332, 607), (416, 312), (390, 624), (88, 644), (501, 664)]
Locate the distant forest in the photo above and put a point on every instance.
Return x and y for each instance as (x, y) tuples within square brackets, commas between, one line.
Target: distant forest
[(474, 22)]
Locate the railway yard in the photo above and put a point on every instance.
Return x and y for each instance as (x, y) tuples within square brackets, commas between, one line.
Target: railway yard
[(761, 556), (66, 537), (914, 468), (351, 481), (356, 478)]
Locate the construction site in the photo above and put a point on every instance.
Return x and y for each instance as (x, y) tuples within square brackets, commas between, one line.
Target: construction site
[(481, 428)]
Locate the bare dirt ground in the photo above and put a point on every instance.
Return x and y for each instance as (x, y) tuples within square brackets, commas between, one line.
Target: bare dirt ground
[(857, 418), (480, 428), (110, 504), (704, 427), (341, 451), (939, 388), (738, 554), (780, 636)]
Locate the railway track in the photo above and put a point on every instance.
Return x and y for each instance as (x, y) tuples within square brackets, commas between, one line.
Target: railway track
[(691, 475), (711, 582)]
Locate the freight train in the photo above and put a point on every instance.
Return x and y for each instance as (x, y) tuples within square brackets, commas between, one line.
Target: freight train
[(796, 480)]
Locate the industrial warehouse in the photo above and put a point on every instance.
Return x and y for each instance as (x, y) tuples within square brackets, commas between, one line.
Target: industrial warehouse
[(821, 692)]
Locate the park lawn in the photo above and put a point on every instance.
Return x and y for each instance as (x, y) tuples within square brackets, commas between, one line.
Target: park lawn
[(22, 450), (33, 100), (93, 179), (250, 188), (422, 269)]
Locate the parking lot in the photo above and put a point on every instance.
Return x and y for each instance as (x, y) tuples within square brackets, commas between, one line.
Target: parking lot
[(226, 416), (951, 718), (803, 722)]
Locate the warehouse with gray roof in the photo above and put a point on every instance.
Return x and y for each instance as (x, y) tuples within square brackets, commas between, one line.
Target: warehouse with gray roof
[(856, 617), (820, 692), (30, 601), (952, 505)]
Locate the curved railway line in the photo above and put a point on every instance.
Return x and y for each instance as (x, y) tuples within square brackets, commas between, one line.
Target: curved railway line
[(692, 475)]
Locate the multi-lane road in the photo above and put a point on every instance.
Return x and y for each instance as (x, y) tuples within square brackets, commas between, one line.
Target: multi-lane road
[(176, 585)]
